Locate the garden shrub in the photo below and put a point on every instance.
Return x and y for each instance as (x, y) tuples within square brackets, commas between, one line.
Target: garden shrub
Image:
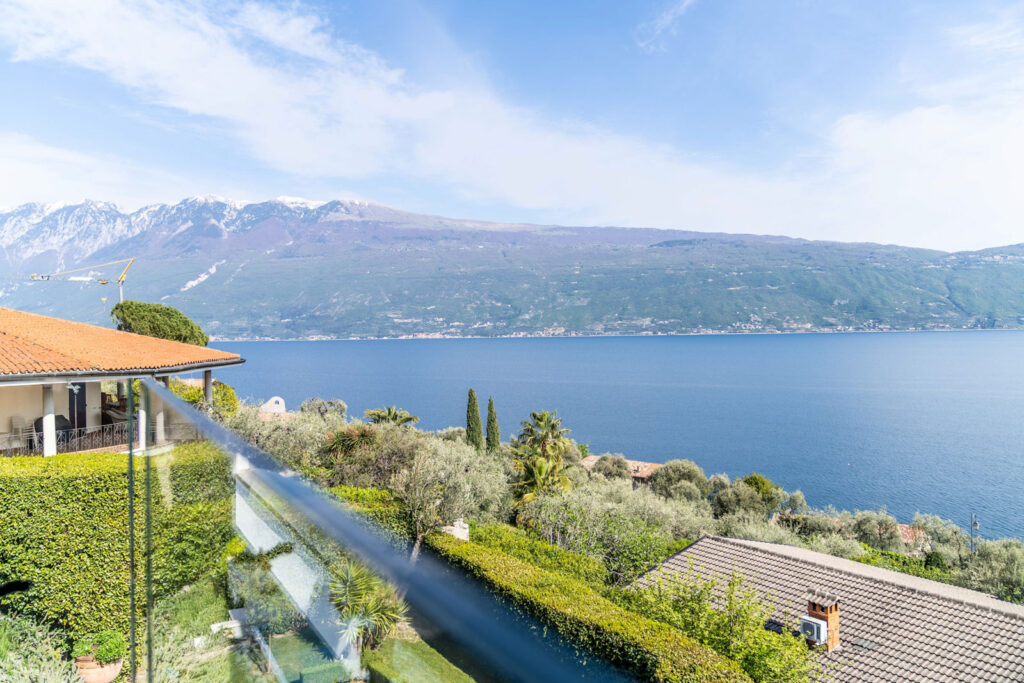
[(65, 532), (730, 619), (32, 652), (648, 649), (915, 566), (541, 554), (225, 400), (379, 507)]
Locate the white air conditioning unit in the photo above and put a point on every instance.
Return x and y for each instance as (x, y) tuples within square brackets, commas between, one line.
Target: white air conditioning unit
[(814, 630)]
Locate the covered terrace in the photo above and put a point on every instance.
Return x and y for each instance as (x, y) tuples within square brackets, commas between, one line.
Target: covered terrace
[(52, 378)]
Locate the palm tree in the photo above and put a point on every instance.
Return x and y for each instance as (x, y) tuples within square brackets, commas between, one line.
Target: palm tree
[(540, 474), (369, 608), (393, 415), (544, 432)]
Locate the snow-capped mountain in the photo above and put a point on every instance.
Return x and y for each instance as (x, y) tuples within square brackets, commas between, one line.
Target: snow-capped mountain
[(68, 232), (52, 237), (295, 268)]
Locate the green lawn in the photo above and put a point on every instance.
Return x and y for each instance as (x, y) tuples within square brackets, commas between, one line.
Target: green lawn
[(411, 661), (297, 651)]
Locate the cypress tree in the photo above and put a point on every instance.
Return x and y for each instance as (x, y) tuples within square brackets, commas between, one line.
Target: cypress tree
[(474, 429), (493, 432)]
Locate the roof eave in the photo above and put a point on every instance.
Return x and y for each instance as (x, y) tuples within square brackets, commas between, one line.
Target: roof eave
[(41, 377)]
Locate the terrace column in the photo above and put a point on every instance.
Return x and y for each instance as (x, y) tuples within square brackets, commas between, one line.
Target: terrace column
[(49, 422), (142, 423), (208, 387), (159, 419)]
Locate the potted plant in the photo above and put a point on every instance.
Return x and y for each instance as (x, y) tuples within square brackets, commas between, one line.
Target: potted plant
[(99, 656)]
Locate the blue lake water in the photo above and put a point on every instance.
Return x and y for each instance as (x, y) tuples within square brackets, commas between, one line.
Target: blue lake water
[(917, 421)]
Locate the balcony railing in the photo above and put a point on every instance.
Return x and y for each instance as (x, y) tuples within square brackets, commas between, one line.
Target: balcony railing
[(76, 440)]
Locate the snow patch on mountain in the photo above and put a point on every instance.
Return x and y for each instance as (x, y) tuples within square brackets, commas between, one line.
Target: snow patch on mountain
[(203, 277)]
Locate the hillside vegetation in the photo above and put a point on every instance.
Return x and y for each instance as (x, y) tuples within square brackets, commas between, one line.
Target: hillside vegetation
[(345, 269)]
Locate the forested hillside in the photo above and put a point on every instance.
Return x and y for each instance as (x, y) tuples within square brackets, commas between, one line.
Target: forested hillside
[(286, 269)]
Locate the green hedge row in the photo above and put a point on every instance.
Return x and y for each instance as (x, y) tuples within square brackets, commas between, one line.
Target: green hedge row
[(64, 530), (381, 508), (649, 649), (517, 543)]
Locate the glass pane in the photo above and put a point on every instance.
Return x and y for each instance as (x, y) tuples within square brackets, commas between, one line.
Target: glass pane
[(250, 573)]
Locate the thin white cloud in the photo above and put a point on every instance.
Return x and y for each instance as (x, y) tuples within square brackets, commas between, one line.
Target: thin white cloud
[(944, 173), (32, 170), (651, 35)]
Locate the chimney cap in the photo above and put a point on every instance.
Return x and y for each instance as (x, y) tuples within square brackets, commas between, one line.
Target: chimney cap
[(821, 597)]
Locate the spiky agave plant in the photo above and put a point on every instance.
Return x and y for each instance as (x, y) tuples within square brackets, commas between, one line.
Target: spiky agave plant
[(349, 440), (368, 606)]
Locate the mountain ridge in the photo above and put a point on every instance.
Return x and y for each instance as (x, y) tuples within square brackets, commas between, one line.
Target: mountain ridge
[(293, 268)]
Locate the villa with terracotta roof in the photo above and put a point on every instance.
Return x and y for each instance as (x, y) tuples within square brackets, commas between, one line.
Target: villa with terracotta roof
[(51, 372)]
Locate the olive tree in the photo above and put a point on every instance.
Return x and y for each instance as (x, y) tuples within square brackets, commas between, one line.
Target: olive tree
[(997, 567), (679, 479), (445, 481), (612, 466), (878, 529)]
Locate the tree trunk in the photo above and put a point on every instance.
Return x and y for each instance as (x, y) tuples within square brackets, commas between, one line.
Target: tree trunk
[(414, 555)]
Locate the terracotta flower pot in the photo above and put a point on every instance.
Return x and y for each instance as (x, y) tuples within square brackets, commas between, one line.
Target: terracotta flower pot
[(92, 671)]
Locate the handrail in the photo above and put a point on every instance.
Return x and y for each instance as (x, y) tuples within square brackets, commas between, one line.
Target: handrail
[(426, 586)]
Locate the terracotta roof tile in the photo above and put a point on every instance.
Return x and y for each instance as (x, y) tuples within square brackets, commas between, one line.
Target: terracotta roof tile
[(32, 344), (893, 627)]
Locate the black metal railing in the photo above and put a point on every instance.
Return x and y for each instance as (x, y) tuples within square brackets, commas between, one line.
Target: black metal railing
[(74, 440)]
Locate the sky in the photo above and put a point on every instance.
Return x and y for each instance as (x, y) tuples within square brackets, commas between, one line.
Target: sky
[(857, 120)]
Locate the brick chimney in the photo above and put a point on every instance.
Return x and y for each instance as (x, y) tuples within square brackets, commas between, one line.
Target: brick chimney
[(825, 606)]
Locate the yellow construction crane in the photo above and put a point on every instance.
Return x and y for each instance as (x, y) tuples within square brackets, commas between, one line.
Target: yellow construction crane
[(67, 276)]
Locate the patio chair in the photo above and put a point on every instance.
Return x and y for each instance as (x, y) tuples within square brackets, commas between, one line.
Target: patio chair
[(21, 431)]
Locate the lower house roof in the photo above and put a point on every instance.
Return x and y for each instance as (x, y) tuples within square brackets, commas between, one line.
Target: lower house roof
[(892, 626), (39, 346)]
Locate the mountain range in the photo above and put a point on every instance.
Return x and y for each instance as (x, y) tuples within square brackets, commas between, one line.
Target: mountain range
[(291, 268)]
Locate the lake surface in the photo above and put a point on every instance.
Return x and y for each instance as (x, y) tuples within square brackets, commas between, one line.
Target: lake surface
[(912, 421)]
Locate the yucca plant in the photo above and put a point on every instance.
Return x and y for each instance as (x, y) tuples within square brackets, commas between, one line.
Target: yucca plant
[(368, 606), (349, 440)]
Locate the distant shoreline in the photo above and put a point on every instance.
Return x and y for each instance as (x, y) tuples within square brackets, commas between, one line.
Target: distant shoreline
[(609, 336)]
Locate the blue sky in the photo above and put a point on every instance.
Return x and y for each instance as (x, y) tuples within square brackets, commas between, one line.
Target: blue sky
[(885, 121)]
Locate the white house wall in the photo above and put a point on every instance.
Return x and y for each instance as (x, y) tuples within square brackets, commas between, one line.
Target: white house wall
[(27, 402)]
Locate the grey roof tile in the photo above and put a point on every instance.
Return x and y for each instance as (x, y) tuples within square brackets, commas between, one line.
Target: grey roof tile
[(906, 628)]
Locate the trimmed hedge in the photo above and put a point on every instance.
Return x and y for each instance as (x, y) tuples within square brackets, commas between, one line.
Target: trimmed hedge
[(379, 507), (649, 649), (539, 553), (64, 529)]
